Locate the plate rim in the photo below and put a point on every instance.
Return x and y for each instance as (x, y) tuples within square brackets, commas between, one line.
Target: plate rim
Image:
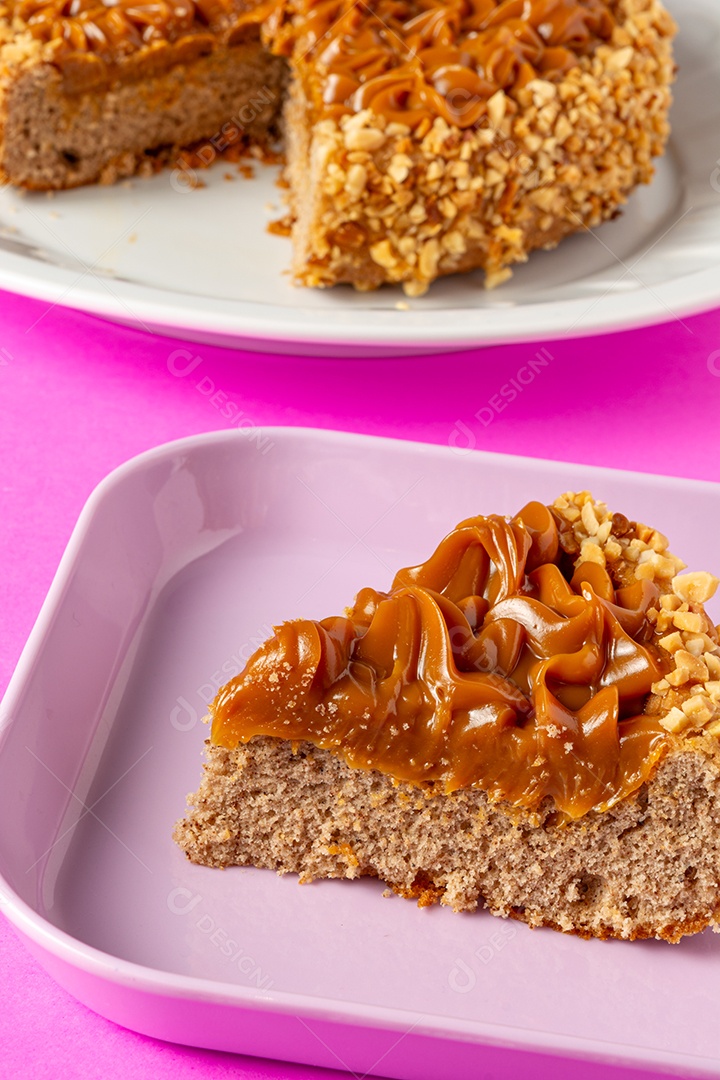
[(237, 324), (127, 974)]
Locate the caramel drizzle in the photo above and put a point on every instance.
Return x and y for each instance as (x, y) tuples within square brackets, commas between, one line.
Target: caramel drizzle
[(483, 667), (409, 60)]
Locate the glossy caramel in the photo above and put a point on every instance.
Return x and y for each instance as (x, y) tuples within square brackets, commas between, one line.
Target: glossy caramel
[(494, 664), (405, 59), (411, 60)]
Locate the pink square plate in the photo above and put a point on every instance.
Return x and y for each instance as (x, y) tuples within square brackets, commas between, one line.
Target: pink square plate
[(180, 564)]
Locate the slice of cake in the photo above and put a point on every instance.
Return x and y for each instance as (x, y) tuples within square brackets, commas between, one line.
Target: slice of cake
[(528, 721), (428, 137), (89, 90)]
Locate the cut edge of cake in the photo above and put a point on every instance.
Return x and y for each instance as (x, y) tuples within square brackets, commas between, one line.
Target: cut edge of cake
[(646, 868), (53, 138)]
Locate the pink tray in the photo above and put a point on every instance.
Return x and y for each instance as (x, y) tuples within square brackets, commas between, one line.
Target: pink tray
[(180, 563)]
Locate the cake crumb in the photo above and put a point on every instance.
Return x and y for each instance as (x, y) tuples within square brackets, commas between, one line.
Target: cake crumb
[(283, 227)]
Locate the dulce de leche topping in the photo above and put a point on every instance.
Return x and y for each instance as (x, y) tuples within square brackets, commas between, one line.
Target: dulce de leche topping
[(411, 60), (495, 664), (406, 59), (94, 41)]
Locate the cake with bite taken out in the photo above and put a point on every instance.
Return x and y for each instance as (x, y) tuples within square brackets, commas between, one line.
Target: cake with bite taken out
[(422, 137)]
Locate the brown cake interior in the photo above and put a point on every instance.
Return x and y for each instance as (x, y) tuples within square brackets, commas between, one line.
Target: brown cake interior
[(647, 868), (57, 140)]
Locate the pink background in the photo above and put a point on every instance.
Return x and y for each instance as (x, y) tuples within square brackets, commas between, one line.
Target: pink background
[(79, 396)]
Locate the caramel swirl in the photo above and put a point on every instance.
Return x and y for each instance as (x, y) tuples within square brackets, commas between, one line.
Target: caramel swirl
[(485, 666), (409, 60), (405, 59)]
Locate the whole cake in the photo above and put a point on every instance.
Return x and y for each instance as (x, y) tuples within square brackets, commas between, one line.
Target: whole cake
[(528, 721), (423, 137)]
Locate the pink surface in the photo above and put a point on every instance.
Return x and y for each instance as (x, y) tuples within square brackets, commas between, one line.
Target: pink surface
[(78, 396)]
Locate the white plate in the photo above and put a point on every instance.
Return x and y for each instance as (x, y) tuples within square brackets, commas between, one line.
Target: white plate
[(201, 263)]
